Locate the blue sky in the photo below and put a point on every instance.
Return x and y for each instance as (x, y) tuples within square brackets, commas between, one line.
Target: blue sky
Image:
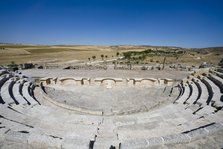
[(184, 23)]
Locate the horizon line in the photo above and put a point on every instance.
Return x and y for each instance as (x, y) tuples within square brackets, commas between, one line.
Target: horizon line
[(149, 45)]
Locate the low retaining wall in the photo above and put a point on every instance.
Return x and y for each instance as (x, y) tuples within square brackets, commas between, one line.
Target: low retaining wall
[(68, 107)]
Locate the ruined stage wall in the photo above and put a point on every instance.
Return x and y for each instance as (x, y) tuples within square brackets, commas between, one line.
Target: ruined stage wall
[(107, 82)]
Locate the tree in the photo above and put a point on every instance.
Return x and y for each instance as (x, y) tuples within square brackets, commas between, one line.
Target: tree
[(106, 56), (127, 55), (93, 57), (102, 57), (117, 54), (12, 63), (164, 61), (13, 66), (89, 59)]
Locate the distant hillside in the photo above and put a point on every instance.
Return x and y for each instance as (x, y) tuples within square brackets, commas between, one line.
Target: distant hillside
[(19, 53)]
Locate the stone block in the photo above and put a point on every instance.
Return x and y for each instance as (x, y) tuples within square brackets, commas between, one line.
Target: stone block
[(75, 142), (137, 143), (155, 141), (178, 138), (197, 134), (15, 136), (2, 132), (130, 82), (44, 141), (214, 128)]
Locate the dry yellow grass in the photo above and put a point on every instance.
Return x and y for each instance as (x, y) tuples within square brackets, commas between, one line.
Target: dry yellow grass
[(68, 53), (38, 54)]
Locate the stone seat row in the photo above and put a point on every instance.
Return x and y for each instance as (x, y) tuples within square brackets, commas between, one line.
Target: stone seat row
[(2, 72), (217, 80), (214, 93), (185, 137), (201, 91), (16, 91), (219, 74)]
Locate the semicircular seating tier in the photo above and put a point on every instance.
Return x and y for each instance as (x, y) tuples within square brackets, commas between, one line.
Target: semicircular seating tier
[(94, 113)]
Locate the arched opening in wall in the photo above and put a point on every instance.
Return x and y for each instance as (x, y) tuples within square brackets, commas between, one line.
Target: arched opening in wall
[(85, 81), (48, 81), (168, 81), (68, 82), (108, 83), (147, 82)]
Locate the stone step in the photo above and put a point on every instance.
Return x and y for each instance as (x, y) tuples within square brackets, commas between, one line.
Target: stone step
[(5, 92), (186, 93), (215, 91), (10, 88), (217, 80), (194, 95), (26, 94), (2, 82), (17, 94), (204, 97)]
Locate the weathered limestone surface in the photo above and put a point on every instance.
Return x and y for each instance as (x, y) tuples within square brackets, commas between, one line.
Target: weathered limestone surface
[(204, 92), (5, 92), (194, 95), (17, 94), (26, 94), (75, 142), (131, 113), (19, 137), (110, 100), (179, 138)]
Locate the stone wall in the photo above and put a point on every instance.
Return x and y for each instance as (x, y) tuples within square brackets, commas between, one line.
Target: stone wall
[(108, 82)]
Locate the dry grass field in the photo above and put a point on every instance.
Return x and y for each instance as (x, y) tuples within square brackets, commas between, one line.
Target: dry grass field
[(80, 53)]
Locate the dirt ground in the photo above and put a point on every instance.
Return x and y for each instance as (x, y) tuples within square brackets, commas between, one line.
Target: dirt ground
[(42, 54)]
